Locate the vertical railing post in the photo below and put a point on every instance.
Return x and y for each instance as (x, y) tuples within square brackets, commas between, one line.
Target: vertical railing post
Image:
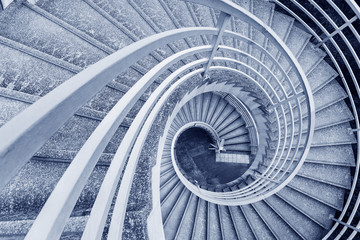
[(223, 19), (5, 3)]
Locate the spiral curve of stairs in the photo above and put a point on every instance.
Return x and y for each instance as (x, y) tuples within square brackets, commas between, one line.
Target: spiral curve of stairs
[(293, 135)]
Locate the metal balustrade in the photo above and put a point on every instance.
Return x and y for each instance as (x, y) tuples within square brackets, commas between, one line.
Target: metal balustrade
[(347, 63), (48, 114), (242, 196), (345, 66)]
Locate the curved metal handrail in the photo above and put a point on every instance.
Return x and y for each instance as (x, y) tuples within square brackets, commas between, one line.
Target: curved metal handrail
[(211, 196), (30, 129), (349, 68), (48, 114)]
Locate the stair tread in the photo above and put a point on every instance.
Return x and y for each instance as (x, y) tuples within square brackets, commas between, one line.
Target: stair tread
[(337, 154), (328, 173), (21, 227), (214, 229), (334, 134), (172, 222), (200, 227), (325, 192), (224, 115), (298, 221), (228, 120), (29, 193), (328, 94), (297, 40), (29, 75), (258, 225), (278, 225), (69, 47), (238, 140), (170, 199), (188, 221), (281, 24), (236, 130), (226, 222), (241, 223), (312, 208), (321, 75)]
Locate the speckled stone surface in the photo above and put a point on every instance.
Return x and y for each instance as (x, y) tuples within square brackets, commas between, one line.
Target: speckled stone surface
[(24, 73), (24, 196), (226, 222), (18, 229), (336, 175), (20, 72), (86, 19), (329, 194), (342, 154), (29, 32), (260, 229), (314, 209), (277, 224), (301, 223)]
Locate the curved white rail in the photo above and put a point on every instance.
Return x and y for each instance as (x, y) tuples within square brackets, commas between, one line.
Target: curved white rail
[(34, 126)]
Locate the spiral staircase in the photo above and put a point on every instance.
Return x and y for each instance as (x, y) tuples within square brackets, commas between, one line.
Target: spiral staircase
[(97, 96)]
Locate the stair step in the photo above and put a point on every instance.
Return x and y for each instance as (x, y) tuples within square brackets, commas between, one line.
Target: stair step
[(215, 99), (227, 224), (300, 222), (187, 112), (220, 108), (238, 140), (166, 166), (199, 102), (242, 147), (328, 95), (13, 230), (335, 114), (334, 154), (225, 114), (330, 136), (333, 196), (69, 47), (322, 75), (297, 40), (260, 229), (226, 121), (334, 134), (213, 222), (24, 73), (206, 105), (168, 202), (173, 220), (231, 124), (315, 210), (27, 192), (188, 220), (328, 173), (96, 27), (282, 25), (243, 229), (192, 109), (200, 226), (275, 222), (167, 182), (234, 130)]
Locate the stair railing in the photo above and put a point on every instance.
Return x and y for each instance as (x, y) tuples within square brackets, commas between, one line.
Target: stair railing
[(30, 129), (338, 46)]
